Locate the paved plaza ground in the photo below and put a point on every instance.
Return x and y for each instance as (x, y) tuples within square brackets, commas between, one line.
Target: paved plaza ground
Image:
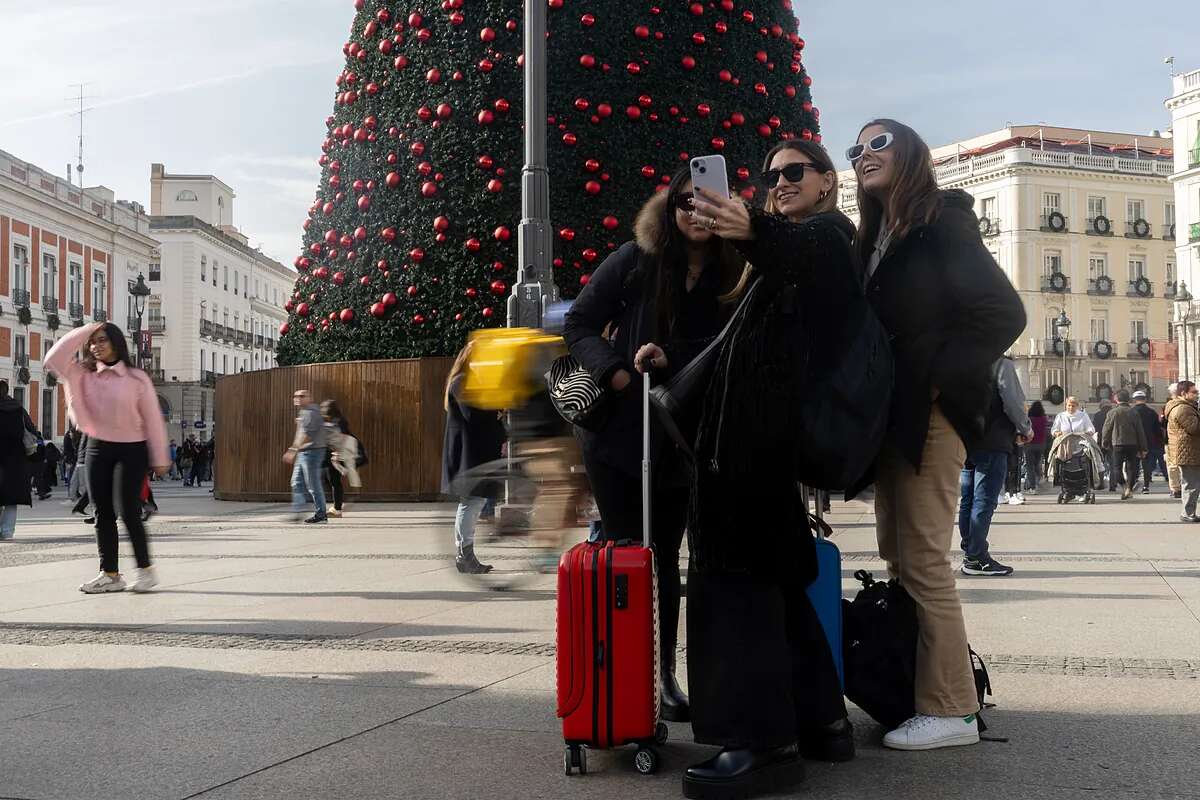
[(351, 661)]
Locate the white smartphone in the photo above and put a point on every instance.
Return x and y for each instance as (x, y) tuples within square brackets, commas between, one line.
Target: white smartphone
[(708, 172)]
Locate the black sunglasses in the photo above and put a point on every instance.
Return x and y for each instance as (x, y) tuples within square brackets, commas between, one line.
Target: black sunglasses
[(881, 142), (794, 172), (684, 201)]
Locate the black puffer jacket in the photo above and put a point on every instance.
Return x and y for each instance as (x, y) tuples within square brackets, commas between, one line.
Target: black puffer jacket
[(951, 312), (746, 514), (621, 292)]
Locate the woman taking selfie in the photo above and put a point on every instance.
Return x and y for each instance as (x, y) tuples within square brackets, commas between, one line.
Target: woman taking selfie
[(951, 313), (114, 403), (763, 682), (662, 287)]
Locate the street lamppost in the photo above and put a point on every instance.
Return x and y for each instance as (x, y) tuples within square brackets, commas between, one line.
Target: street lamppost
[(140, 291), (1063, 326), (1183, 312)]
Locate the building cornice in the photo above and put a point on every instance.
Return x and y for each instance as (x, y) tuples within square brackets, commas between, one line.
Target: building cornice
[(82, 217), (187, 222)]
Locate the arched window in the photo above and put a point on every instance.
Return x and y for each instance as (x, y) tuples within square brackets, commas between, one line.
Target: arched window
[(187, 195)]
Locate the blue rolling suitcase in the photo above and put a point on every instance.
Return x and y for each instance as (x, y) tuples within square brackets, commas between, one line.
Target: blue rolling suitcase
[(825, 593)]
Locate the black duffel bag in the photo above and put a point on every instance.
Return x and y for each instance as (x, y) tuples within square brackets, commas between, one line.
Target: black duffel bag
[(879, 651)]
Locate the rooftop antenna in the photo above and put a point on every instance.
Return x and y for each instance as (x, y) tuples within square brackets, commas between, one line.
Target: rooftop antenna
[(80, 97), (1170, 62)]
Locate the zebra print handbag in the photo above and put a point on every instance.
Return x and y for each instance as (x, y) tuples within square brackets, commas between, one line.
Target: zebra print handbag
[(576, 395)]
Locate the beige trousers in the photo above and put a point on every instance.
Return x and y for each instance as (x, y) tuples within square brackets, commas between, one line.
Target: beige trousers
[(914, 523), (1174, 478)]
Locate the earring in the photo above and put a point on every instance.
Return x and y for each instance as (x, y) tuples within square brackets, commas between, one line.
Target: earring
[(821, 197)]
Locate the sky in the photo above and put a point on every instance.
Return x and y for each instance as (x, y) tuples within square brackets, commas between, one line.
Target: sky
[(241, 88)]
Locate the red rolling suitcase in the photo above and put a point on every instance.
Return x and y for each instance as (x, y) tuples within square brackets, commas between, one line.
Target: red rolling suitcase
[(607, 633)]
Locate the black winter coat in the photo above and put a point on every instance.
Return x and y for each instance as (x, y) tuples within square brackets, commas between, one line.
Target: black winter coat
[(473, 436), (621, 292), (14, 464), (748, 516), (951, 312)]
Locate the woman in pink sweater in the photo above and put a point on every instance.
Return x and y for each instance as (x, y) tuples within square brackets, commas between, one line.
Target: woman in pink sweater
[(114, 403)]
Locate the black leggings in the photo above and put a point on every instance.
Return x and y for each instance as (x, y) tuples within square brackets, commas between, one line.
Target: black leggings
[(123, 466), (335, 482), (619, 498)]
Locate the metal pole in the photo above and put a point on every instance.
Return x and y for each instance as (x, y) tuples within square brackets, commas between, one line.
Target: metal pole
[(1186, 362), (534, 286), (1066, 373)]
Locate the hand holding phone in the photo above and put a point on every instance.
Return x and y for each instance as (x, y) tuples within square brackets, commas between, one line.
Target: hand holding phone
[(709, 172)]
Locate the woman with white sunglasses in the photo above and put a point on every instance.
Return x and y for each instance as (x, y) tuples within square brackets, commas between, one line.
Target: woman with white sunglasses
[(951, 313)]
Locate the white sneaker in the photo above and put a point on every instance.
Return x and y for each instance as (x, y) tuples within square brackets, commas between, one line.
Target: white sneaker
[(924, 732), (147, 580), (1017, 499), (103, 583)]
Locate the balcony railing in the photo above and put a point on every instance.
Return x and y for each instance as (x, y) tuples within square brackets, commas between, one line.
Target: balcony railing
[(1194, 233), (1101, 348), (270, 344), (1099, 226), (20, 298), (1054, 222), (1170, 289), (1056, 282), (1102, 285), (75, 310), (209, 378), (158, 324), (258, 340), (1140, 350), (1139, 229), (1140, 288), (50, 303), (21, 360), (99, 315), (1168, 232), (206, 328), (1056, 346), (158, 375), (1194, 158)]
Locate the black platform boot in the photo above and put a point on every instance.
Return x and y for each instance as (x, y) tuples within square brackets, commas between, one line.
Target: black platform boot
[(675, 706), (744, 773), (832, 742)]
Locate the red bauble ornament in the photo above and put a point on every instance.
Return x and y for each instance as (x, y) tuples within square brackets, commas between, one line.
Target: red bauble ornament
[(610, 222), (428, 189), (473, 245), (419, 319), (633, 68), (591, 165), (584, 280), (365, 280), (764, 130), (502, 105), (444, 111), (310, 328), (688, 62), (499, 287), (284, 328), (417, 148), (388, 234), (567, 234), (378, 310), (424, 35), (497, 266), (347, 315), (389, 299), (717, 143), (472, 292), (302, 309), (321, 272), (697, 9), (590, 255), (494, 186), (761, 56), (411, 291), (339, 278), (485, 65), (327, 209), (485, 117), (641, 32), (487, 35), (587, 61), (592, 187), (604, 110), (441, 224), (648, 171), (484, 162), (417, 254), (364, 202), (487, 312), (502, 234), (725, 76), (699, 39), (331, 236), (315, 248), (633, 112), (289, 306), (587, 20)]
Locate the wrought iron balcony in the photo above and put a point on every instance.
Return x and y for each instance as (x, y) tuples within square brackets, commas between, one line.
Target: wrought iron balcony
[(1168, 232), (1170, 290), (1099, 226), (209, 378), (75, 310), (50, 303), (1139, 349), (157, 324), (1141, 287), (20, 298), (21, 360), (1139, 229), (258, 340), (158, 375), (1056, 346), (99, 315), (206, 328), (1101, 285), (1055, 222), (1056, 282), (270, 344)]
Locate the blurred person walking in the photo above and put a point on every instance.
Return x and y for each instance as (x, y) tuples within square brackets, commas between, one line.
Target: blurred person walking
[(1174, 479), (1183, 443), (1124, 437), (116, 405), (1151, 424), (306, 457), (1035, 450), (16, 432)]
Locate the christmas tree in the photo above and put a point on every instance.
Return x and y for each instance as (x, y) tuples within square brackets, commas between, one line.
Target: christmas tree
[(411, 240)]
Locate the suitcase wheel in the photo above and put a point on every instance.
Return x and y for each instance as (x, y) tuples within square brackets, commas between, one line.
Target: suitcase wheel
[(574, 758), (660, 733), (646, 760)]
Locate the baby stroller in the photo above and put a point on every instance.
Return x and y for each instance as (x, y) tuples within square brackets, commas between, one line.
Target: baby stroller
[(1073, 468)]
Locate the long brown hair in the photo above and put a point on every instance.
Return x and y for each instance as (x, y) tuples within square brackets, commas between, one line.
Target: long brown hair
[(913, 197), (457, 369), (819, 156)]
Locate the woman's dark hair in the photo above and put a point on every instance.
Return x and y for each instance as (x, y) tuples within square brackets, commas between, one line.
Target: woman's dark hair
[(1183, 387), (120, 347), (330, 409), (913, 196), (1036, 409), (668, 273)]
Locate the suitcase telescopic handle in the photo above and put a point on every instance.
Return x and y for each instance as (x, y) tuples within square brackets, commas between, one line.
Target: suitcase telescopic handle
[(646, 458), (818, 510)]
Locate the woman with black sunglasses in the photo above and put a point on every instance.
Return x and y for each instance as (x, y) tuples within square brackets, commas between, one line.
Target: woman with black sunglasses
[(951, 313), (662, 287), (763, 682)]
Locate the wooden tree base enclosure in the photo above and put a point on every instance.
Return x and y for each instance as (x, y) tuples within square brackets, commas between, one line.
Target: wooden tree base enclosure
[(394, 408)]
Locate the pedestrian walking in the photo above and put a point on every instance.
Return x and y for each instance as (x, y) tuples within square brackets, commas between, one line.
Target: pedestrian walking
[(173, 451), (1073, 419), (70, 454), (1174, 479), (751, 624), (662, 289), (341, 454), (53, 458), (1115, 478), (199, 463), (986, 469), (1183, 442), (474, 436), (116, 405), (952, 312), (1124, 436), (1151, 424), (305, 456), (1035, 450), (16, 428)]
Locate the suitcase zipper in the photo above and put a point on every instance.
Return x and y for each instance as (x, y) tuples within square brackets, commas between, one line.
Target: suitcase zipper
[(597, 646), (608, 614)]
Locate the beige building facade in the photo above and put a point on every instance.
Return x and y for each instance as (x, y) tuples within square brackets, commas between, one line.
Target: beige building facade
[(1080, 221)]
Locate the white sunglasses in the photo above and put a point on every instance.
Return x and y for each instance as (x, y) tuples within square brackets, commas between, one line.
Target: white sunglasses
[(881, 142)]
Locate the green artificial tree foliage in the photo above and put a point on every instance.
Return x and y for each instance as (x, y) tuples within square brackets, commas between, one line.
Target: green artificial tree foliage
[(411, 240)]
